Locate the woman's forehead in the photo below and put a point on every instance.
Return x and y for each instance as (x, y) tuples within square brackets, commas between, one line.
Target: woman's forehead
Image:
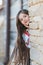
[(22, 15)]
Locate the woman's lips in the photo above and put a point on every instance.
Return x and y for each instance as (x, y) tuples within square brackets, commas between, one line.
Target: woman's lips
[(28, 24)]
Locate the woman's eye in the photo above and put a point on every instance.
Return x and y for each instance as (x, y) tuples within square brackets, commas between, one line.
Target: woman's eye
[(21, 19), (24, 16)]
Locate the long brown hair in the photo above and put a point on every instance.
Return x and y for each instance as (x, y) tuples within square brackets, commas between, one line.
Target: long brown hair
[(23, 50)]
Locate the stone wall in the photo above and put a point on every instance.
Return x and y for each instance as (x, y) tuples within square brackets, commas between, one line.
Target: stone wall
[(36, 31)]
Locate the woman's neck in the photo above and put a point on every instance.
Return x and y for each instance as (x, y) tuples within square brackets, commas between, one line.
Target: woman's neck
[(27, 30)]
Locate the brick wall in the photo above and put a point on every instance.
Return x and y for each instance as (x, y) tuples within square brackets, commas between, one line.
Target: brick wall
[(36, 31)]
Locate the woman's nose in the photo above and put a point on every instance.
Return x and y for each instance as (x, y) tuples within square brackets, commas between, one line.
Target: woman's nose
[(24, 20)]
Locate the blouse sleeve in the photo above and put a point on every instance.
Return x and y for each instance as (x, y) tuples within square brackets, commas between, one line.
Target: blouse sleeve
[(26, 38)]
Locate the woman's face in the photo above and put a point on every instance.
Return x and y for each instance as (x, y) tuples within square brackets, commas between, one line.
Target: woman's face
[(24, 19)]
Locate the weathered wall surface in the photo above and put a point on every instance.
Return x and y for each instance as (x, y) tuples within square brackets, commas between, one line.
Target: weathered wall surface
[(36, 31)]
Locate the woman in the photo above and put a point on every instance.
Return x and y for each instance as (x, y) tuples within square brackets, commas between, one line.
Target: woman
[(23, 46)]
